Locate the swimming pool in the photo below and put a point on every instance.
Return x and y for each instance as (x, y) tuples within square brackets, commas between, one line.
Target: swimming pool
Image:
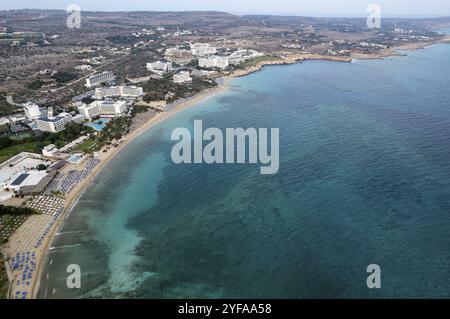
[(98, 125), (75, 159)]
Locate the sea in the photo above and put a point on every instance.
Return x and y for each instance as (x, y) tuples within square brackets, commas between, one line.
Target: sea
[(364, 179)]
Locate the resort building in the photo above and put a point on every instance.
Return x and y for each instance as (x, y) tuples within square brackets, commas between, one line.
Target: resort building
[(182, 77), (100, 78), (49, 150), (119, 91), (159, 67), (28, 181), (89, 111), (243, 55), (83, 96), (202, 49), (179, 56), (78, 118), (213, 62), (55, 124), (103, 108), (19, 174), (16, 123), (32, 111), (52, 151), (112, 109)]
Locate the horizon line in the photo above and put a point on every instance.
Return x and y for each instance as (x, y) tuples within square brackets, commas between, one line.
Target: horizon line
[(275, 14)]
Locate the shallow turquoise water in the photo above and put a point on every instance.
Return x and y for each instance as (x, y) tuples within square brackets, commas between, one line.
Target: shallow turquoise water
[(364, 179)]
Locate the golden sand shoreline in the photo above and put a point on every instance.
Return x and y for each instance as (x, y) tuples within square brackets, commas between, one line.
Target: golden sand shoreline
[(104, 158)]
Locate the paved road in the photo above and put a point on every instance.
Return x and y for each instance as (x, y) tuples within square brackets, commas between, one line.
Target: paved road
[(86, 76)]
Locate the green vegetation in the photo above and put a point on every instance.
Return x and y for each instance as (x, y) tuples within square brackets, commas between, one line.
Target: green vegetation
[(156, 89), (35, 85), (121, 39), (88, 146), (139, 108), (127, 40), (63, 77), (41, 167), (115, 129), (165, 89), (4, 283), (193, 63), (5, 108), (21, 135), (87, 100), (8, 152), (4, 129), (70, 133), (255, 61), (12, 210), (10, 147)]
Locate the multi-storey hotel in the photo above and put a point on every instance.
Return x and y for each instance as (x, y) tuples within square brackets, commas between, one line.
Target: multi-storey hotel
[(203, 49), (103, 108), (55, 124), (32, 111), (179, 56), (182, 77), (97, 79), (133, 92), (159, 67), (243, 55), (213, 62)]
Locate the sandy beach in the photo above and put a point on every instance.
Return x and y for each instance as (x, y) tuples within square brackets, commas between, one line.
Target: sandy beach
[(35, 227), (77, 192), (44, 227)]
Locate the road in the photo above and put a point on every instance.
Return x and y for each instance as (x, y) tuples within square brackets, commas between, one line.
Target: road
[(86, 76)]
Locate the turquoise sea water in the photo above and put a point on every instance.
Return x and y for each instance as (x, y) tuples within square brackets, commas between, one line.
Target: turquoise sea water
[(364, 179)]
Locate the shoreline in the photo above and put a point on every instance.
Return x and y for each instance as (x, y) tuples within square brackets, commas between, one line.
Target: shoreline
[(73, 197)]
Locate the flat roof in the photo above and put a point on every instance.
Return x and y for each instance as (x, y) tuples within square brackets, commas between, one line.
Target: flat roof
[(31, 178), (20, 164), (56, 118), (20, 179)]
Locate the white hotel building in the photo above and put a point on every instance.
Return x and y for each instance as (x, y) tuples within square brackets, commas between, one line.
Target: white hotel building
[(97, 79), (214, 62), (159, 67), (203, 49), (182, 77), (243, 55), (32, 111), (57, 123), (103, 108), (133, 92)]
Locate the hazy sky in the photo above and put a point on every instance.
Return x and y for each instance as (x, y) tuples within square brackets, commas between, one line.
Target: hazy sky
[(400, 8)]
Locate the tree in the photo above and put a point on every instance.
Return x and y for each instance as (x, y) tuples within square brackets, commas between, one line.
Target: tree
[(5, 142), (41, 167), (63, 77), (35, 85)]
